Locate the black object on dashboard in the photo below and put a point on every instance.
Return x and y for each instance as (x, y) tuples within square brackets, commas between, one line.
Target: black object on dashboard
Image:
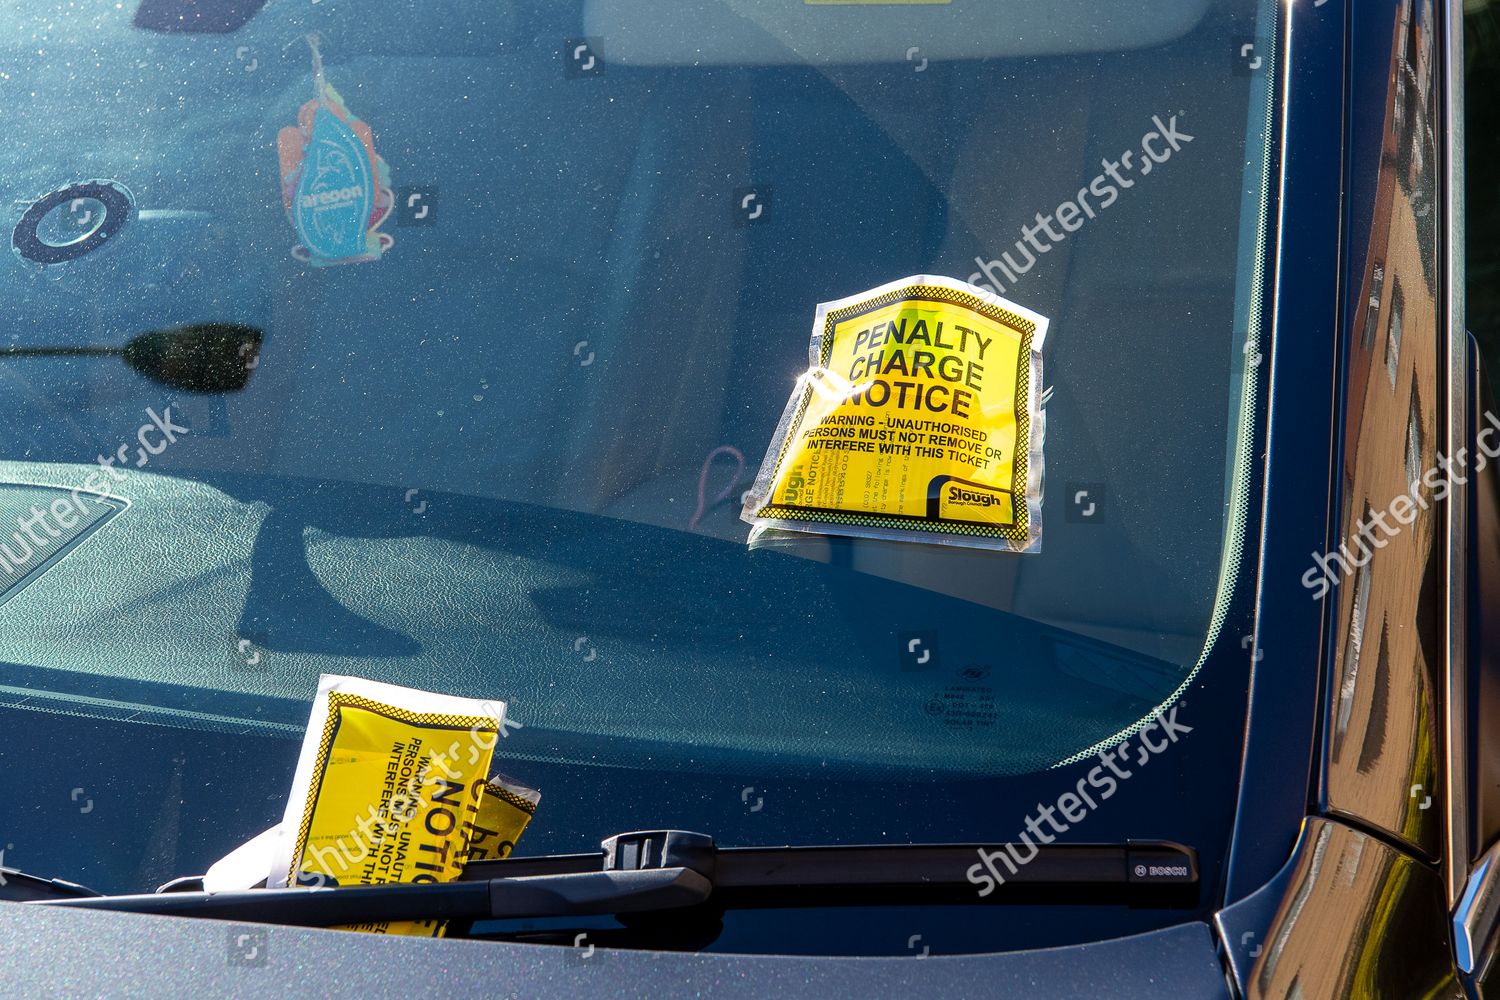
[(203, 357), (196, 17)]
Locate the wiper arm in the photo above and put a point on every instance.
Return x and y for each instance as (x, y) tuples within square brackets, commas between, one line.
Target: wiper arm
[(673, 869)]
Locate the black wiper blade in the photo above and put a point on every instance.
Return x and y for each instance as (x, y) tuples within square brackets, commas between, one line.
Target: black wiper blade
[(1144, 872), (17, 886), (588, 894), (673, 869)]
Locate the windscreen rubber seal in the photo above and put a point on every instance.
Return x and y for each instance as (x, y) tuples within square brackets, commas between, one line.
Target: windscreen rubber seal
[(119, 208)]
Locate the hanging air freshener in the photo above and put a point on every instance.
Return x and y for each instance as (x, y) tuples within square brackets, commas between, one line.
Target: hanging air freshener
[(336, 188)]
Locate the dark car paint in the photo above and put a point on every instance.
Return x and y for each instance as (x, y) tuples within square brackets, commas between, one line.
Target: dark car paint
[(1281, 733), (1361, 919), (57, 953), (1383, 732), (1362, 909)]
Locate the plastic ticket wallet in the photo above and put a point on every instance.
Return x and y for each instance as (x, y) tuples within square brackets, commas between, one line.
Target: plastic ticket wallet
[(918, 420), (392, 786), (505, 807)]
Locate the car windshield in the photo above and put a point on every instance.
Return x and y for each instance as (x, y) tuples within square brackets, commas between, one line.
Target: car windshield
[(502, 451)]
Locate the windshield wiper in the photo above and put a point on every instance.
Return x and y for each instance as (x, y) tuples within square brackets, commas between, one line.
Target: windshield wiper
[(665, 870), (593, 893), (17, 886)]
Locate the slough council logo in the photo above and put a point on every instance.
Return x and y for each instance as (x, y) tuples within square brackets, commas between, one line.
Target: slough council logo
[(959, 495)]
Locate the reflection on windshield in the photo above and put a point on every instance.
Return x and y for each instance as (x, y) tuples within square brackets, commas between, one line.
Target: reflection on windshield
[(513, 373)]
